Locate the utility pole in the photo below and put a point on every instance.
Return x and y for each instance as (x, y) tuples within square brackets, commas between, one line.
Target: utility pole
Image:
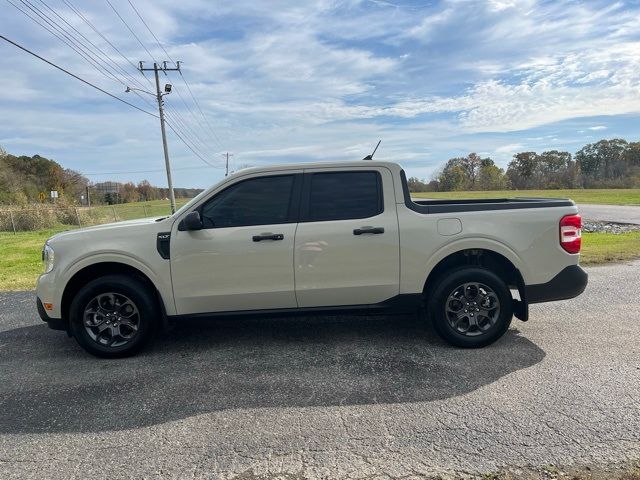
[(227, 155), (167, 89)]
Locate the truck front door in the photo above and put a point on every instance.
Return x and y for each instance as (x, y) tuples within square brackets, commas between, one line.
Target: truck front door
[(242, 259)]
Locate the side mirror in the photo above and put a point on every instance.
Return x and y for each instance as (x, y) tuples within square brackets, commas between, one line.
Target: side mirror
[(191, 222)]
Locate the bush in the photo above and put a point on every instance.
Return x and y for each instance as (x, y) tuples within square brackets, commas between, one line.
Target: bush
[(28, 219), (39, 217)]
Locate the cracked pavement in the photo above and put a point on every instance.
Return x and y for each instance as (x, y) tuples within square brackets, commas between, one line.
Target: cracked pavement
[(336, 397)]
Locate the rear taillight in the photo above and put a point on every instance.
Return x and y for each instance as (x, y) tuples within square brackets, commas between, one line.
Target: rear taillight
[(571, 233)]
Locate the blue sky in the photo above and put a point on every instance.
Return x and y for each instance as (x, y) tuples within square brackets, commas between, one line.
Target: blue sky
[(287, 81)]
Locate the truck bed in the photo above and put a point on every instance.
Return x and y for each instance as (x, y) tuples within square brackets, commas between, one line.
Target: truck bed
[(474, 205), (427, 206)]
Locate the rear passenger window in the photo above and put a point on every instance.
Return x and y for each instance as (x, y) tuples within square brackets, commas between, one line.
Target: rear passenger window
[(344, 195)]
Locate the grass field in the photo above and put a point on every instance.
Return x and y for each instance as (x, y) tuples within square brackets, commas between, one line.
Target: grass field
[(20, 259), (626, 196), (130, 211), (20, 262), (607, 247)]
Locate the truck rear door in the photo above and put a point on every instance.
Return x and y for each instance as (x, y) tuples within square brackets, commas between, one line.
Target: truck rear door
[(347, 240)]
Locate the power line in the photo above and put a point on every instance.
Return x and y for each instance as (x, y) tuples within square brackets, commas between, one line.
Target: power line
[(92, 26), (58, 32), (179, 124), (194, 132), (195, 167), (74, 42), (195, 101), (131, 30), (200, 109), (193, 115), (189, 147), (183, 133), (76, 76), (153, 58), (150, 31), (95, 48), (186, 134), (83, 55)]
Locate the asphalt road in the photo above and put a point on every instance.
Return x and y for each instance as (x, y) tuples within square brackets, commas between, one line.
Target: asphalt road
[(611, 213), (332, 397)]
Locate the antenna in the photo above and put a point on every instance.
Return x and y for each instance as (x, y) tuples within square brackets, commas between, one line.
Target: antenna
[(370, 157)]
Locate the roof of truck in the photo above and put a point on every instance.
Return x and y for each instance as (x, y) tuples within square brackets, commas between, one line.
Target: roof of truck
[(307, 165)]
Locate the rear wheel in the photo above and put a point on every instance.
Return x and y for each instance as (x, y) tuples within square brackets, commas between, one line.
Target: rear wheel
[(470, 307), (113, 316)]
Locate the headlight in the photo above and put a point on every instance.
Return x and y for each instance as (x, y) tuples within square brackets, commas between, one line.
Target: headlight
[(48, 258)]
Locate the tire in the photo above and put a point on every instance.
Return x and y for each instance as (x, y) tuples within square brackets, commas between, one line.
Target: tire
[(470, 307), (105, 311)]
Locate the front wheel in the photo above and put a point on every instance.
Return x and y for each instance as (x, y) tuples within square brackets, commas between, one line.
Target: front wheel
[(113, 316), (470, 307)]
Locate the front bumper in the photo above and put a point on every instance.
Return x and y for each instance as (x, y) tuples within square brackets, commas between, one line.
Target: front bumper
[(48, 291), (53, 323), (569, 283)]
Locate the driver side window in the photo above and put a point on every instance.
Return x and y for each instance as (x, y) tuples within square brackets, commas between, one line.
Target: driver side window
[(257, 201)]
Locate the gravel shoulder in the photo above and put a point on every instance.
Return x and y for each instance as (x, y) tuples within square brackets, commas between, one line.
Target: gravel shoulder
[(327, 397)]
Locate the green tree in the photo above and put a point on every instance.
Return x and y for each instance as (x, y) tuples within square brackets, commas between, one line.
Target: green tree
[(492, 177), (454, 177), (461, 173), (557, 169), (602, 160), (522, 169)]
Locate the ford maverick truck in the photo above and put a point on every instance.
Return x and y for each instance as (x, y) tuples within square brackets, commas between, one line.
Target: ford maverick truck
[(321, 237)]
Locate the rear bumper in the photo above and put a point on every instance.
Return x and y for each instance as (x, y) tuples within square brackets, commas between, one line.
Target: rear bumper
[(53, 323), (569, 283)]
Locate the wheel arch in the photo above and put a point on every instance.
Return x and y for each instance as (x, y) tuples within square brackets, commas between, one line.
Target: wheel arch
[(489, 259), (100, 269)]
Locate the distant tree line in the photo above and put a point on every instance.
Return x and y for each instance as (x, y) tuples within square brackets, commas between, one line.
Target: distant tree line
[(23, 178), (605, 164)]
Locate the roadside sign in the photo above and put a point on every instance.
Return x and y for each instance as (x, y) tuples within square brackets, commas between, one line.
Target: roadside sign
[(41, 196), (54, 194)]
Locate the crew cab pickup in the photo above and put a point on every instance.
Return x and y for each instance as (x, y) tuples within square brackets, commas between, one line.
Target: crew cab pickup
[(313, 238)]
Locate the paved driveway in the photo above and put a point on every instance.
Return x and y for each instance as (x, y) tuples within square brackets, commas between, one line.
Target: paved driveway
[(611, 213), (332, 397)]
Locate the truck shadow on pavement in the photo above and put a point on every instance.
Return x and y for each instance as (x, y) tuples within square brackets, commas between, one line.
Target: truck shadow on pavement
[(48, 384)]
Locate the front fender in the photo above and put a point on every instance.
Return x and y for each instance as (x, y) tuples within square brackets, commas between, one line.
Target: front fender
[(162, 282)]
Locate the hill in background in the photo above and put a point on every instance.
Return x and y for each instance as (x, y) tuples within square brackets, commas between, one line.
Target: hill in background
[(23, 178)]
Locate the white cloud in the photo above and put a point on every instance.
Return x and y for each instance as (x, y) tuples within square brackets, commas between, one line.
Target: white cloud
[(429, 24), (545, 95), (499, 5), (598, 127), (511, 148)]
